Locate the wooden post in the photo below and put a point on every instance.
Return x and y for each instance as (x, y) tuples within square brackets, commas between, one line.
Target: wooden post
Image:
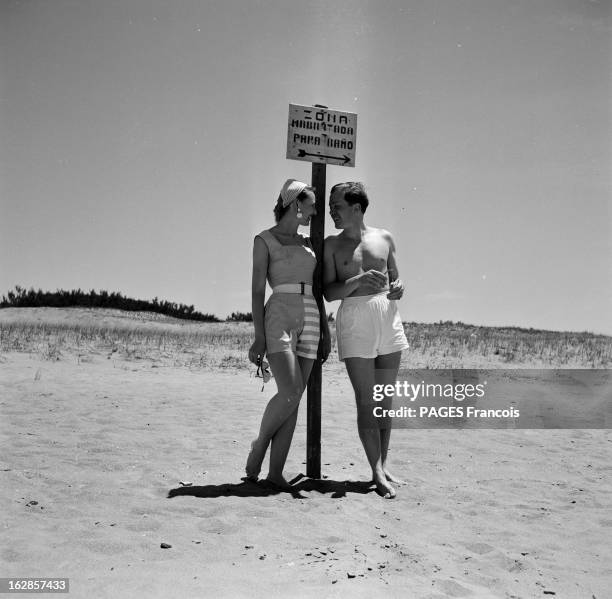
[(336, 144), (317, 235)]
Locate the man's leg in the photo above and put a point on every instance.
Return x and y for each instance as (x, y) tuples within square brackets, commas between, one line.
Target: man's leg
[(387, 367), (288, 377), (361, 372), (281, 441)]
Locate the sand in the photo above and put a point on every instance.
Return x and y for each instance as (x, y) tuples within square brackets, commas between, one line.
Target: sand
[(95, 451)]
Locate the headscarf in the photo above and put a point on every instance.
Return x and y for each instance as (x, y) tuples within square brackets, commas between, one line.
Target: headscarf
[(291, 190)]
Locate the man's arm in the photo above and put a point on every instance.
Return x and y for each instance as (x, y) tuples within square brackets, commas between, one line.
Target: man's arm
[(332, 288), (396, 286)]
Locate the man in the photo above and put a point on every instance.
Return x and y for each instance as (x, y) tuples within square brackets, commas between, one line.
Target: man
[(359, 268)]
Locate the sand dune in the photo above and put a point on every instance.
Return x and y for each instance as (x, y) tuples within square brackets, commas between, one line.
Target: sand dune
[(95, 451)]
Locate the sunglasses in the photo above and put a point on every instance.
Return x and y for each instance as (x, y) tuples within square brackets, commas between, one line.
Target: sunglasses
[(263, 372)]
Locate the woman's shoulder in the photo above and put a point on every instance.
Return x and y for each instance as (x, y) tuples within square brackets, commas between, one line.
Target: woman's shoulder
[(268, 238), (266, 233)]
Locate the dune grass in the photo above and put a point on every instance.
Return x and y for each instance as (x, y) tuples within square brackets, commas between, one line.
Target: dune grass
[(448, 345), (167, 342), (211, 345)]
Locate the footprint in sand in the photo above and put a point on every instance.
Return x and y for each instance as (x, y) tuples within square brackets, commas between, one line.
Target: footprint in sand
[(606, 523), (145, 525), (453, 589), (108, 547), (479, 548), (259, 514), (12, 556), (216, 526)]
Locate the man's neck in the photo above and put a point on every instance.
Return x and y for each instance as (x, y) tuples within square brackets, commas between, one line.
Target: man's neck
[(355, 231)]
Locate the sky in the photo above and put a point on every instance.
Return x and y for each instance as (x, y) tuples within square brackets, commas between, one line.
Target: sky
[(142, 146)]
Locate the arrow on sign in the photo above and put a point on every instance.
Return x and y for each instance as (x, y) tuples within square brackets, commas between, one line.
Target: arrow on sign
[(303, 153)]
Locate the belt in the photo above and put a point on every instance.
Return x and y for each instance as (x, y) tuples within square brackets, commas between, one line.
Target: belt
[(299, 288)]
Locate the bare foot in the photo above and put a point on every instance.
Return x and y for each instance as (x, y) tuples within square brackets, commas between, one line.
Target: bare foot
[(278, 482), (384, 488), (393, 479), (254, 460)]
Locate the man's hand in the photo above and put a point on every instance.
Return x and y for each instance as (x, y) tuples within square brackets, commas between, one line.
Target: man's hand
[(257, 351), (396, 290), (373, 279)]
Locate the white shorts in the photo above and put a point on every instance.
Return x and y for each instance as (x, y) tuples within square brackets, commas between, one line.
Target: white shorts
[(368, 326)]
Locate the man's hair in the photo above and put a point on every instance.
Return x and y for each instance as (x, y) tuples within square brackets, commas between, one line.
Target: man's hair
[(354, 193), (280, 210)]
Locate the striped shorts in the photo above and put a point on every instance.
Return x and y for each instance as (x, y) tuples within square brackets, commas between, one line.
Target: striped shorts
[(291, 324)]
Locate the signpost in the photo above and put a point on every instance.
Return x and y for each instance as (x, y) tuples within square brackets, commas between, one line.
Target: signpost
[(321, 136)]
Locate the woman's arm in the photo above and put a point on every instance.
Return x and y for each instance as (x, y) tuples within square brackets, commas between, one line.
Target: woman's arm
[(325, 337), (258, 294)]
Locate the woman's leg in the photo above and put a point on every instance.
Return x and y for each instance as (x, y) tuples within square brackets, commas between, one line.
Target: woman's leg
[(281, 440), (288, 376)]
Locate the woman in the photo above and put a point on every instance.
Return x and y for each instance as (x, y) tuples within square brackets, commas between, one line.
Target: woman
[(288, 328)]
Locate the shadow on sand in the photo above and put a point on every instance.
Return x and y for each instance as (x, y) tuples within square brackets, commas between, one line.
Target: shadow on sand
[(263, 488)]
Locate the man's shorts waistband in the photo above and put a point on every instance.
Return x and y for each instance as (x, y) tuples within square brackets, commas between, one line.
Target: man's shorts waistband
[(362, 299)]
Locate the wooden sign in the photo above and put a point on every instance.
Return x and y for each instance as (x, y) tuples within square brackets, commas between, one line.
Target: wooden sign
[(321, 135)]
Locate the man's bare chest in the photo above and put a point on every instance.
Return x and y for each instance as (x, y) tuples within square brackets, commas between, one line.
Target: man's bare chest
[(353, 257)]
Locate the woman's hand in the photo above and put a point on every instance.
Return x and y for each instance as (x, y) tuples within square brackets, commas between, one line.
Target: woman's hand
[(325, 344), (257, 350)]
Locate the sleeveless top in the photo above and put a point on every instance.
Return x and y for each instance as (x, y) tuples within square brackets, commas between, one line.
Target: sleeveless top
[(289, 263)]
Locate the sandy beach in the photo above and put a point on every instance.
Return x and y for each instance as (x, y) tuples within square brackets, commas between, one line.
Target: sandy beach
[(168, 167), (99, 453)]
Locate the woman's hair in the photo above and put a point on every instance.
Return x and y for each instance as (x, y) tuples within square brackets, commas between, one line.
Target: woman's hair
[(280, 210)]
